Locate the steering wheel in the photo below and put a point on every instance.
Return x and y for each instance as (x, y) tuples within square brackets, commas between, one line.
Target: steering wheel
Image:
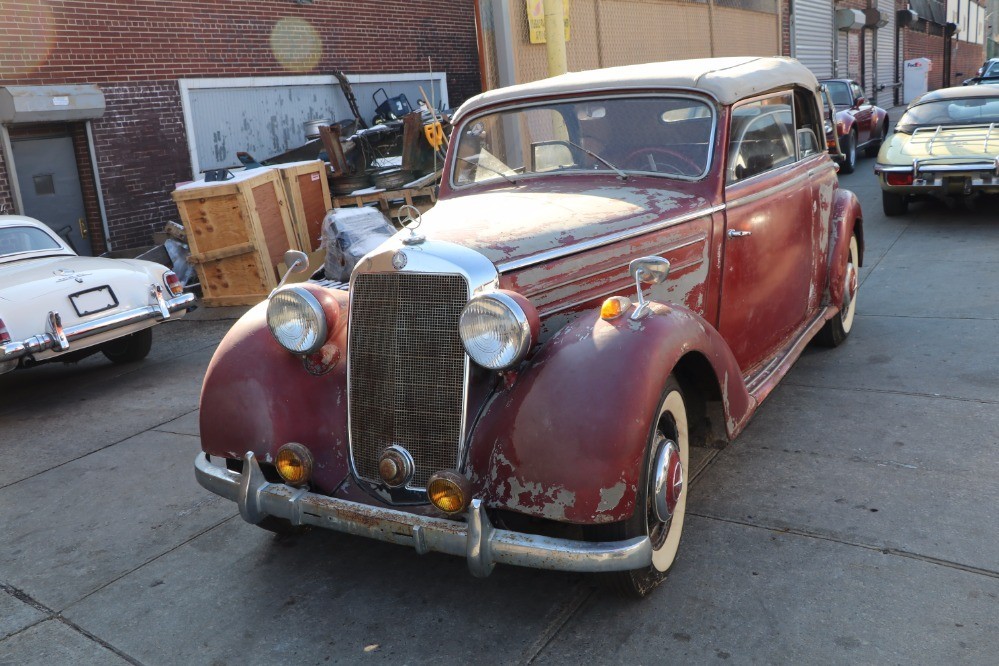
[(673, 158)]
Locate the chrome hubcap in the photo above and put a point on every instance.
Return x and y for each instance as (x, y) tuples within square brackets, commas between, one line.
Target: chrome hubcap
[(667, 485)]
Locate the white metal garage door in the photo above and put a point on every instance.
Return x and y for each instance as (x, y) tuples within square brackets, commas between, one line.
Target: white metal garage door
[(813, 34), (886, 52), (264, 116)]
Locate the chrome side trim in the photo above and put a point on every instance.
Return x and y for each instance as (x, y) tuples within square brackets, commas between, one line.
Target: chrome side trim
[(568, 250), (477, 540), (611, 292), (61, 338)]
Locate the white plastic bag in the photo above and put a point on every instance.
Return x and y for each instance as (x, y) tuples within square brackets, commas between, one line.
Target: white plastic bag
[(349, 234)]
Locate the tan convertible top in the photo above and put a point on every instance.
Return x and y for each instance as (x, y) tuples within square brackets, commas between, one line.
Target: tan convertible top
[(726, 79)]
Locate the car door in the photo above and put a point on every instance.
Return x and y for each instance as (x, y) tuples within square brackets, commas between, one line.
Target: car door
[(769, 219), (863, 112)]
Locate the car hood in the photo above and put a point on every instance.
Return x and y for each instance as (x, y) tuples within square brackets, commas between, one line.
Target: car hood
[(31, 279), (513, 224), (956, 142)]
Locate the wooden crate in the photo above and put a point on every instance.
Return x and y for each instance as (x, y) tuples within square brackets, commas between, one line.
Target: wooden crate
[(238, 230), (308, 192)]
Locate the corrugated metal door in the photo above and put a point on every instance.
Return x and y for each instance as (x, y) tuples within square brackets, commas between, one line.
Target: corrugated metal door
[(813, 35), (886, 51)]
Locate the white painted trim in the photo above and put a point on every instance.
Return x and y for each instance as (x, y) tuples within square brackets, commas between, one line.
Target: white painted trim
[(8, 157), (187, 85)]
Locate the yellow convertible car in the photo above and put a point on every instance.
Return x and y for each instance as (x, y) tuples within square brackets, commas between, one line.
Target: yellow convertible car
[(947, 143)]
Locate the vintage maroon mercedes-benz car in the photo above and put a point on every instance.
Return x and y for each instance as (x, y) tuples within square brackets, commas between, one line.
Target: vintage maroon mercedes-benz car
[(623, 264)]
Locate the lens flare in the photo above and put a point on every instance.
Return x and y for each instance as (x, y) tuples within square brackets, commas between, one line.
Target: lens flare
[(296, 45), (35, 28)]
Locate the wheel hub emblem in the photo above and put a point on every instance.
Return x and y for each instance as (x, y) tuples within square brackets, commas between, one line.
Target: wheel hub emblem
[(668, 480)]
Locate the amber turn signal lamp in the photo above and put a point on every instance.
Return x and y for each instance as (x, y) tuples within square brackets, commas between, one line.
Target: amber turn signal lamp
[(294, 464), (897, 178), (449, 491), (614, 307)]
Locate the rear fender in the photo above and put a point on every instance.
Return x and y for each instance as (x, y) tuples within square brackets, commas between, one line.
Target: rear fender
[(257, 396), (847, 220), (567, 439)]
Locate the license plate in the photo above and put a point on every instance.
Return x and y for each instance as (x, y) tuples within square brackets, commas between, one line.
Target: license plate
[(93, 301)]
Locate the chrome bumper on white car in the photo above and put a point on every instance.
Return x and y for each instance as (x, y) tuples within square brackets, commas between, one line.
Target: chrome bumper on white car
[(482, 544), (61, 338)]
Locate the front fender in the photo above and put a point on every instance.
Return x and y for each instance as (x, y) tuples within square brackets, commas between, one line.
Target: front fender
[(566, 441), (847, 220), (844, 122), (257, 396)]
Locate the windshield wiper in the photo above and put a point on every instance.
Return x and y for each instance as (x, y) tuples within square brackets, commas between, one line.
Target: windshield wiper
[(483, 166), (620, 174)]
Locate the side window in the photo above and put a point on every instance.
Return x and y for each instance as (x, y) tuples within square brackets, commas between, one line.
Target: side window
[(761, 137), (807, 124), (857, 91)]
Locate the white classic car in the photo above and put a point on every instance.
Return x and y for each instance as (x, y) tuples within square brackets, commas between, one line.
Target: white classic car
[(55, 305)]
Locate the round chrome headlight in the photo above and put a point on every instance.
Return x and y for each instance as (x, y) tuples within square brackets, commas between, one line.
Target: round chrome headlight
[(495, 330), (297, 320)]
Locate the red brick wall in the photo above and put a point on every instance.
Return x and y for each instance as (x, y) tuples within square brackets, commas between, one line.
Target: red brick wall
[(966, 58), (135, 51), (6, 198)]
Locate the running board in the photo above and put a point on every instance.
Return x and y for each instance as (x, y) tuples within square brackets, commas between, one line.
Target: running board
[(761, 382)]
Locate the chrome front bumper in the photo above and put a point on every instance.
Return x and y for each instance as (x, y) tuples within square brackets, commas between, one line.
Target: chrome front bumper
[(483, 545), (62, 338)]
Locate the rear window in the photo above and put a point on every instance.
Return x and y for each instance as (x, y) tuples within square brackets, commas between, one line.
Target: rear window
[(15, 240), (968, 111)]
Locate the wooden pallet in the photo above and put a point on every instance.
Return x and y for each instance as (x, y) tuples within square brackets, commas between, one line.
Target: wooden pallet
[(238, 231), (308, 192), (391, 201)]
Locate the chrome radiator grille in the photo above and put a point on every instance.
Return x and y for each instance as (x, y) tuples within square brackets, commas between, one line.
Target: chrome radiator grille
[(407, 370)]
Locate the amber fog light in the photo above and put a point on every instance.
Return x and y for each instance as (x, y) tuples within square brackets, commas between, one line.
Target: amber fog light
[(449, 491), (294, 464)]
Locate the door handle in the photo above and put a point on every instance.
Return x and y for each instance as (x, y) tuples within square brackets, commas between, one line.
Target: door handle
[(83, 227), (732, 233)]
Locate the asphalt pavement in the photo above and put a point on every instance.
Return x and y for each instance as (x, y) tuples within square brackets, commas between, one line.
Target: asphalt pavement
[(854, 521)]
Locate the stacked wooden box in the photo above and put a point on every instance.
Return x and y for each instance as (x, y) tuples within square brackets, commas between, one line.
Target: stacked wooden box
[(239, 229)]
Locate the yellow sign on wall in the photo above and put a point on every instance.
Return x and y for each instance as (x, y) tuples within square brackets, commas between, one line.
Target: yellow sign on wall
[(536, 20)]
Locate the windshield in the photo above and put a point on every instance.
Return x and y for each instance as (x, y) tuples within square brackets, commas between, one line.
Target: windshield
[(840, 93), (969, 111), (992, 69), (16, 240), (668, 136)]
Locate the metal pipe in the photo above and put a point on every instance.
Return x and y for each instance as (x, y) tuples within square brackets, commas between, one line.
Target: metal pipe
[(97, 186), (555, 37)]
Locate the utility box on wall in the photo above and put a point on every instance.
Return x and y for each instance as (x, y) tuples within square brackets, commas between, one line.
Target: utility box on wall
[(915, 78)]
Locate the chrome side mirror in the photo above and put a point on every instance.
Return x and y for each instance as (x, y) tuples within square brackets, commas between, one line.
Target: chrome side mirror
[(297, 262), (647, 271)]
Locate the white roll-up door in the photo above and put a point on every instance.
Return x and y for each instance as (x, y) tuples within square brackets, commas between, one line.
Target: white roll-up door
[(886, 53), (813, 35)]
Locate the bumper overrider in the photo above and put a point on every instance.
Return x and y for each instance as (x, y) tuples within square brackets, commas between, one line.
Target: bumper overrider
[(483, 545), (61, 338)]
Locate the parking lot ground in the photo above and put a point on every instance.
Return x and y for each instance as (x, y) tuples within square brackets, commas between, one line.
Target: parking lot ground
[(854, 521)]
